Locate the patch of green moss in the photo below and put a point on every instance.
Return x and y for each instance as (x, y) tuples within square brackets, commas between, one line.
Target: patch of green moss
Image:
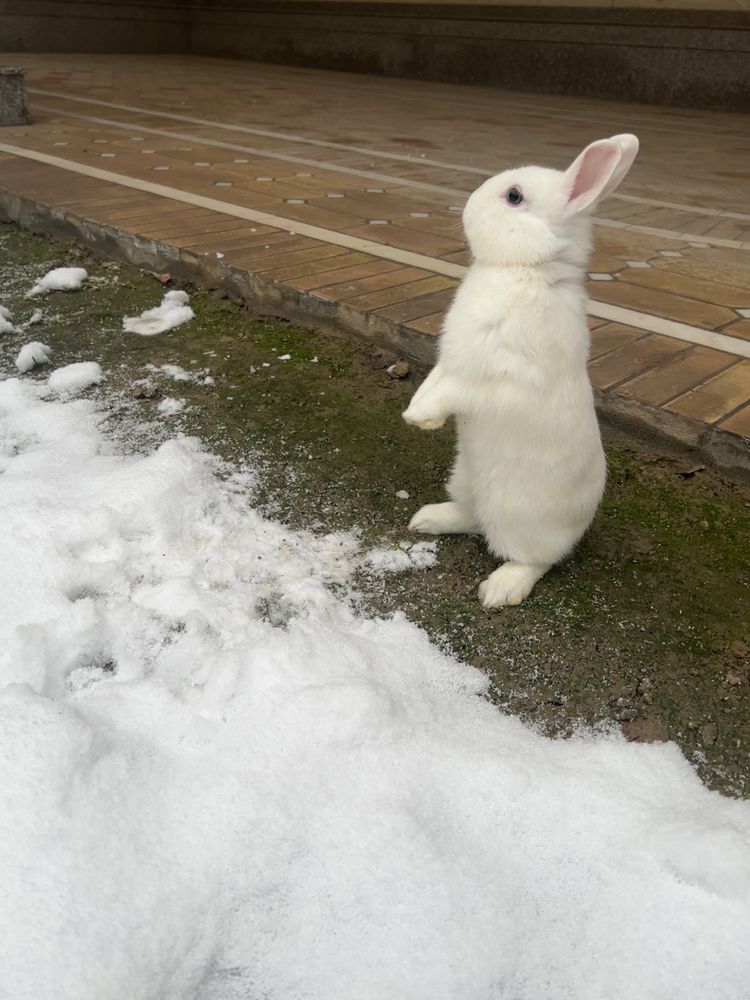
[(645, 626)]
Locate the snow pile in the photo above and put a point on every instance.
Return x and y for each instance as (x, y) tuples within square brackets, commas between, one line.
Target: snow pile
[(72, 379), (6, 326), (408, 555), (60, 279), (176, 372), (218, 781), (173, 311), (169, 406), (32, 355), (179, 374)]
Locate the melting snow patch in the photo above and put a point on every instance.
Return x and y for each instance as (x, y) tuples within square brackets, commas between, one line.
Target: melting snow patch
[(60, 279), (173, 311), (72, 379), (36, 317), (32, 355), (5, 321), (179, 374), (170, 406), (408, 555), (217, 780), (176, 372)]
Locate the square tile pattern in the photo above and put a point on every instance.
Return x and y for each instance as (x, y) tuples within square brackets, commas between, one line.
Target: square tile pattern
[(348, 190)]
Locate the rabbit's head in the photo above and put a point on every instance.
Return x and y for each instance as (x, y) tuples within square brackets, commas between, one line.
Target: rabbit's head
[(532, 215)]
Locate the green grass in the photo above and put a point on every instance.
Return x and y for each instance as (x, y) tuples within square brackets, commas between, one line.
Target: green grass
[(659, 589)]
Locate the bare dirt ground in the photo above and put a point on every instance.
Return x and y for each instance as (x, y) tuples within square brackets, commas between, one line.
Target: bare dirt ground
[(646, 627)]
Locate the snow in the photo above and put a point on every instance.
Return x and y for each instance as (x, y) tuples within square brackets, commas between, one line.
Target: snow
[(72, 379), (60, 279), (6, 326), (169, 406), (407, 555), (31, 355), (175, 372), (173, 311), (179, 374), (36, 317), (220, 780)]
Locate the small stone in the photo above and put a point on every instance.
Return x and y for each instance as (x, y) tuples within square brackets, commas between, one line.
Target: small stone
[(644, 731), (689, 473), (709, 734), (402, 495), (145, 390), (732, 679), (400, 369), (163, 278), (644, 689), (642, 545), (739, 649), (627, 715)]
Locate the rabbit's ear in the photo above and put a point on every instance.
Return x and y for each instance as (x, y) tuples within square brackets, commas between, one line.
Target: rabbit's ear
[(599, 169)]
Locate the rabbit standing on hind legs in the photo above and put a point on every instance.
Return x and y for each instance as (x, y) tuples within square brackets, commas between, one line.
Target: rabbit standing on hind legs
[(529, 470)]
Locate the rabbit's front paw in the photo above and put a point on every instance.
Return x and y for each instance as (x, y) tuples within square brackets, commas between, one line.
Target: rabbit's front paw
[(419, 418), (509, 585), (448, 518)]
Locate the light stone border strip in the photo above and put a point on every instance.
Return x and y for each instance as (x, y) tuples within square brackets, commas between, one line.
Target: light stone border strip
[(480, 98), (525, 101), (602, 310), (388, 179), (241, 212), (670, 328), (264, 153), (365, 151)]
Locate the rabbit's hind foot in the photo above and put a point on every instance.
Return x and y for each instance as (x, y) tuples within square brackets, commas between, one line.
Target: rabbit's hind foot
[(510, 584)]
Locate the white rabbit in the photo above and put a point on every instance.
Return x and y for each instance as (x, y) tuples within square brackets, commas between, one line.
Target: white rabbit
[(529, 470)]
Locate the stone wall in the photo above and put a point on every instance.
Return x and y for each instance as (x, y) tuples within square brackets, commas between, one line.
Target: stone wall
[(671, 52), (94, 26), (692, 58)]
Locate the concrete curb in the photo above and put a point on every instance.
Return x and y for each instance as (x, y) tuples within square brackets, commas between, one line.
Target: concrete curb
[(620, 416)]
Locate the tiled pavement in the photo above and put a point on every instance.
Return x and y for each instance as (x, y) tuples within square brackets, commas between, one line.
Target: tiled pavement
[(338, 197)]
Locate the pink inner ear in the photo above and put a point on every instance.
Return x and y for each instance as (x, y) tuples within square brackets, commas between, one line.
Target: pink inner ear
[(594, 171)]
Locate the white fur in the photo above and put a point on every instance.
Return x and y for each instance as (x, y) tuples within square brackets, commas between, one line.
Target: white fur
[(530, 469)]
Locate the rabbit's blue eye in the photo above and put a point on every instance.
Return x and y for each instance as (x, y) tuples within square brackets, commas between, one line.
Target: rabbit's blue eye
[(514, 196)]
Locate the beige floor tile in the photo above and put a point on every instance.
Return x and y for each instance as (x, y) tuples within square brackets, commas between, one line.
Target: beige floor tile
[(632, 358), (676, 375), (717, 397), (403, 155)]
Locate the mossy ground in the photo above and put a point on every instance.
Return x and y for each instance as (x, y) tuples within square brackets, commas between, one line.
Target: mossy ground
[(648, 624)]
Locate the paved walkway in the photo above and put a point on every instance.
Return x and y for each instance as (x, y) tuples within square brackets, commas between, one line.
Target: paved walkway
[(339, 197)]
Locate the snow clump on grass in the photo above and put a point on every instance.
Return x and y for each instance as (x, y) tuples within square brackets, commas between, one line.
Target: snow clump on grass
[(6, 324), (173, 311), (72, 379), (60, 279), (31, 355)]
